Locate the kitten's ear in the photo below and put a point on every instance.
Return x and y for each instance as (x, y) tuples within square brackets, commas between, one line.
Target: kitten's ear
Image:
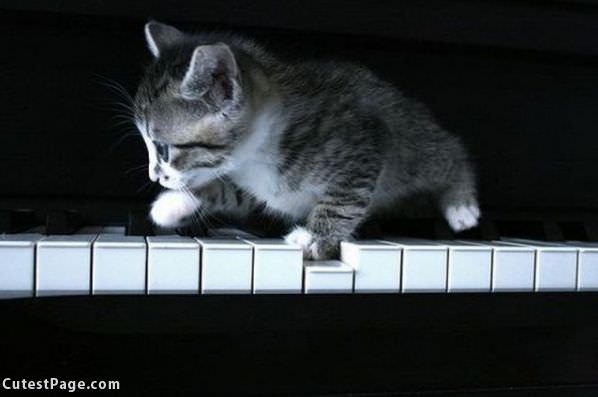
[(213, 70), (160, 36)]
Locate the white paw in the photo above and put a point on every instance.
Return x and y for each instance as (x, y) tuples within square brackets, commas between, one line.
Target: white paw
[(462, 217), (171, 208), (303, 238)]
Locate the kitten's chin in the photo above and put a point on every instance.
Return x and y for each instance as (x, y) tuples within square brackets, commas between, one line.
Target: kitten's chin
[(171, 184)]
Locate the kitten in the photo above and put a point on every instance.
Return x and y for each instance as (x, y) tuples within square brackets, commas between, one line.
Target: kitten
[(230, 128)]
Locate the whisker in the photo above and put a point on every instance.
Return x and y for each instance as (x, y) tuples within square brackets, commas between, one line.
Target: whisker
[(124, 117), (137, 168), (120, 141), (116, 86), (144, 187), (198, 215)]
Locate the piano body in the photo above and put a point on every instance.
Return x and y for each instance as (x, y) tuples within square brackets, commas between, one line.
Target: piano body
[(89, 289)]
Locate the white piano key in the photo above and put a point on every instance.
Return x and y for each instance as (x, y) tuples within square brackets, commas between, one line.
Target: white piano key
[(469, 267), (424, 265), (17, 265), (277, 267), (63, 265), (377, 265), (587, 265), (328, 277), (118, 264), (555, 266), (226, 266), (173, 265), (512, 266)]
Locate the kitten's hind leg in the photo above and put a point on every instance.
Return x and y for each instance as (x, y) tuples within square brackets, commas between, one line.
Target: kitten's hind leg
[(459, 205)]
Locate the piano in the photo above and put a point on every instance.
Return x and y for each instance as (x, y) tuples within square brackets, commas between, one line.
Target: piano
[(90, 290), (104, 261)]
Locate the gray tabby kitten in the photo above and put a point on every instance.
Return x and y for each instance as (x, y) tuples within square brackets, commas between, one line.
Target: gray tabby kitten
[(230, 128)]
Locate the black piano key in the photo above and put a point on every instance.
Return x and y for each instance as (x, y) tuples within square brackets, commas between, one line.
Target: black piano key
[(139, 224), (521, 229), (443, 231), (469, 234), (419, 228), (5, 221), (62, 222), (368, 230), (591, 230), (23, 220), (488, 230), (573, 230), (552, 231), (195, 229)]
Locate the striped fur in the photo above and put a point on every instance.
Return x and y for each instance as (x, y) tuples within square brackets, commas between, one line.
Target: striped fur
[(324, 145)]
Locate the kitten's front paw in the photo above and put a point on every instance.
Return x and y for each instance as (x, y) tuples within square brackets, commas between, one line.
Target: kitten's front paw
[(462, 217), (302, 237), (314, 247), (171, 208), (324, 248)]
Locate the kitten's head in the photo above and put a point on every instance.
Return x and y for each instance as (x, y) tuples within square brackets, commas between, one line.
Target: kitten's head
[(188, 107)]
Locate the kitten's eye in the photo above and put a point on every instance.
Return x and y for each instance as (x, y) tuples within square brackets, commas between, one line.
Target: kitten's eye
[(162, 150)]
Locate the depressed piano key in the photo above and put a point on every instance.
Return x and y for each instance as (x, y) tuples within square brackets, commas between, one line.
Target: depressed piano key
[(172, 265), (63, 265), (377, 265), (424, 265), (469, 267), (226, 266), (328, 277), (587, 265), (118, 264), (17, 265), (277, 267), (512, 266), (555, 265)]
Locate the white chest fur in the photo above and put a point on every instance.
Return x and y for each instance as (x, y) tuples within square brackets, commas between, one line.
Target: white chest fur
[(255, 169)]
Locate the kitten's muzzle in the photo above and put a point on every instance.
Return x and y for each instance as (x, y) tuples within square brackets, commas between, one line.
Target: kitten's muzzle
[(154, 173)]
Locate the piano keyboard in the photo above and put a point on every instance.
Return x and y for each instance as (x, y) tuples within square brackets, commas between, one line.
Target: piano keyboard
[(101, 261)]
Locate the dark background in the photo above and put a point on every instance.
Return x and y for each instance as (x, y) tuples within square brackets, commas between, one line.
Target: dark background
[(517, 80)]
